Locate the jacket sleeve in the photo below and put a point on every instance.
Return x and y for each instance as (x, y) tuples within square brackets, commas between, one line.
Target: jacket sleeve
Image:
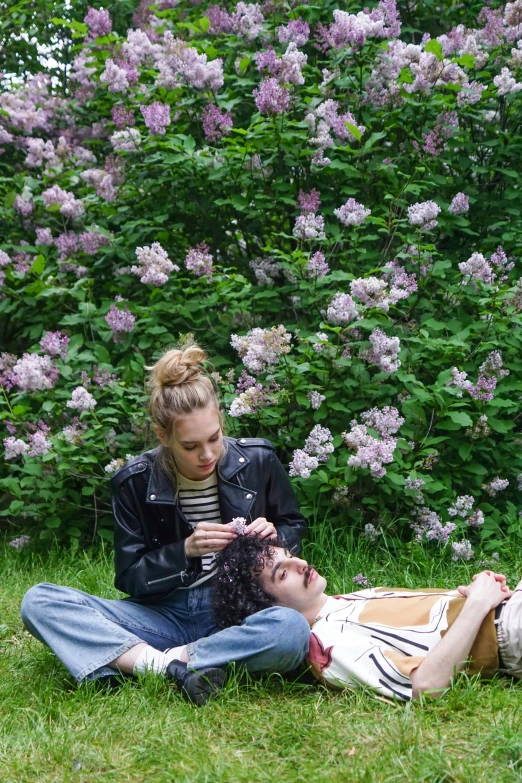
[(140, 571), (282, 508)]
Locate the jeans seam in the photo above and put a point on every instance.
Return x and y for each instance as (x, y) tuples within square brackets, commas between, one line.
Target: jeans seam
[(108, 658), (135, 627)]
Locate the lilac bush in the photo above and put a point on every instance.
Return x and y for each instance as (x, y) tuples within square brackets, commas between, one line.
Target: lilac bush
[(326, 199)]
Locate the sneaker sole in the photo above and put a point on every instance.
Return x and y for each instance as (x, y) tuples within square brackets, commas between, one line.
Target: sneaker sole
[(202, 686)]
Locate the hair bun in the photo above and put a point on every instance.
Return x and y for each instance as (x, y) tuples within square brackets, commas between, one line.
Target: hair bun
[(178, 366)]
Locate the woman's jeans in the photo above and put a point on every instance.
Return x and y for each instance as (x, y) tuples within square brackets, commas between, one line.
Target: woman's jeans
[(87, 633)]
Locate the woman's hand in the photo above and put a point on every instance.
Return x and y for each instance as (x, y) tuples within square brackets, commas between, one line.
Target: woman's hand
[(262, 528), (208, 537), (487, 589)]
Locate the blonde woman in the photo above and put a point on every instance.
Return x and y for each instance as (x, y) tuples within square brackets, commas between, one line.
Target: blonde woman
[(173, 508)]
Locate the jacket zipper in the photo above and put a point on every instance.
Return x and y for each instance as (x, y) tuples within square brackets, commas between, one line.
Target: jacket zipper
[(181, 574)]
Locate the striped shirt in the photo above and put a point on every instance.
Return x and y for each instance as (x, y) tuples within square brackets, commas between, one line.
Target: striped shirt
[(377, 637), (199, 503)]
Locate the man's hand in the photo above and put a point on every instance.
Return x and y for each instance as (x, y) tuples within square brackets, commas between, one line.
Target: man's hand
[(262, 528), (487, 589), (208, 537)]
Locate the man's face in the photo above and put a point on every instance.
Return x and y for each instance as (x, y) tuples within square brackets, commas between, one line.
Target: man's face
[(292, 582)]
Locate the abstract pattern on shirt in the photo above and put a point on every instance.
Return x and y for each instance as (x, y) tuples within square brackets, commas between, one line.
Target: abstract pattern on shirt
[(377, 637)]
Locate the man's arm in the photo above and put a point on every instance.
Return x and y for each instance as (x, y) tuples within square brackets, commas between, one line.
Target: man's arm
[(435, 672)]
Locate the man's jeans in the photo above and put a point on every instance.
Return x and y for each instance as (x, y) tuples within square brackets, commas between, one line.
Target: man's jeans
[(86, 633)]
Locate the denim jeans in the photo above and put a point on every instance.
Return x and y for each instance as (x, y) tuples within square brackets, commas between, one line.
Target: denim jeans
[(86, 633)]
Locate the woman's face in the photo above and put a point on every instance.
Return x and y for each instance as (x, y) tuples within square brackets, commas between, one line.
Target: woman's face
[(196, 442)]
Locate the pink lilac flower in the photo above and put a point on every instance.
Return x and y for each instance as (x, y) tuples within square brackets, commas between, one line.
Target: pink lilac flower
[(476, 519), (316, 266), (342, 309), (270, 98), (55, 344), (384, 351), (122, 118), (319, 443), (252, 396), (34, 373), (98, 22), (477, 268), (14, 447), (309, 202), (320, 159), (292, 63), (428, 525), (247, 20), (116, 77), (199, 261), (180, 59), (315, 399), (459, 204), (216, 123), (128, 140), (155, 265), (7, 362), (322, 338), (69, 206), (302, 464), (386, 421), (352, 213), (500, 264), (506, 82), (157, 117), (67, 243), (138, 48), (20, 542), (260, 348), (423, 214), (81, 399), (331, 120), (470, 93), (220, 21), (120, 320), (4, 259), (239, 526), (493, 365), (22, 206), (361, 580), (38, 443), (296, 31), (371, 452), (462, 506), (309, 226), (74, 432), (92, 241), (102, 378), (461, 550), (402, 284), (266, 270), (44, 236)]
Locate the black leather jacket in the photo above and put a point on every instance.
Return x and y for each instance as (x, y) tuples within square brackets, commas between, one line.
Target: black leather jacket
[(150, 528)]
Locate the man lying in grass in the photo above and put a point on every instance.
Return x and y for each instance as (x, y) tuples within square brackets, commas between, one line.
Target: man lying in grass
[(399, 642)]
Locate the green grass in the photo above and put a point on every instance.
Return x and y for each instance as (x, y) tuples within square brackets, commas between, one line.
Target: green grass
[(269, 731)]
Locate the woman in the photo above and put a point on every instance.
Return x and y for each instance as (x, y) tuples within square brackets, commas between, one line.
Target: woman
[(173, 508)]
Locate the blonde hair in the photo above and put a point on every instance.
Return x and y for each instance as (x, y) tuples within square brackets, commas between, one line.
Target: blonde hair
[(178, 385)]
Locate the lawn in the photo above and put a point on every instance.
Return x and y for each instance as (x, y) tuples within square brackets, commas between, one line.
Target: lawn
[(269, 731)]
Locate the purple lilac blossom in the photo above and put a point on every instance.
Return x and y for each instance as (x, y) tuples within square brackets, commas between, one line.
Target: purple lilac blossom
[(34, 373), (122, 118), (462, 506), (261, 348), (309, 226), (315, 399), (309, 202), (270, 98), (219, 18), (459, 204), (361, 580), (370, 452), (266, 270), (55, 344), (22, 206), (155, 265), (423, 214), (39, 444), (316, 266), (67, 243), (385, 421), (384, 351), (352, 213), (342, 309), (461, 550), (81, 400), (128, 140), (14, 447), (239, 526), (199, 261), (296, 31), (20, 542), (302, 464), (115, 77), (216, 123), (157, 117), (247, 20), (98, 22), (319, 443), (495, 486), (120, 320), (91, 241), (506, 83), (44, 236)]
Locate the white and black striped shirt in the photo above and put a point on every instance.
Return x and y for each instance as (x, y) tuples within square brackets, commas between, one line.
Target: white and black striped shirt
[(199, 503)]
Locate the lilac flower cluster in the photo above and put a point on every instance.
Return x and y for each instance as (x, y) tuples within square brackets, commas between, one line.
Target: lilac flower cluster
[(461, 550), (44, 236), (266, 270), (493, 365), (342, 309), (117, 77), (309, 226), (34, 373), (315, 399), (361, 580), (309, 202), (385, 421), (55, 344), (302, 464), (476, 519), (271, 98), (23, 206), (462, 506), (483, 389), (81, 400), (155, 265), (296, 31), (478, 269), (352, 30), (98, 22), (127, 140), (69, 205), (423, 214), (120, 321), (428, 525), (506, 83), (384, 351), (73, 432), (247, 20), (459, 204), (316, 266), (14, 447), (371, 452), (331, 121), (177, 58), (317, 448), (20, 542), (199, 261), (121, 117), (260, 348), (157, 117), (92, 241), (239, 526), (352, 213), (495, 486), (216, 123), (480, 429)]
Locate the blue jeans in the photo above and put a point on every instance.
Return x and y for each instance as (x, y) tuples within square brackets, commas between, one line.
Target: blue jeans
[(86, 633)]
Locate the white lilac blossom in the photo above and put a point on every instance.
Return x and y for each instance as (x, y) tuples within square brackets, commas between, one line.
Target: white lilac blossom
[(315, 399), (309, 226), (459, 204), (115, 76), (385, 421), (423, 214), (265, 270), (81, 399), (316, 266), (252, 396), (127, 140), (20, 542), (319, 443), (73, 433), (373, 292), (342, 309), (429, 526), (384, 351), (361, 580), (239, 526), (199, 261), (114, 465), (476, 519), (493, 365), (461, 550), (506, 83), (352, 213), (477, 268), (260, 348), (155, 265), (247, 20), (462, 506), (302, 464), (370, 532), (34, 373), (14, 447), (495, 486), (322, 338), (371, 452)]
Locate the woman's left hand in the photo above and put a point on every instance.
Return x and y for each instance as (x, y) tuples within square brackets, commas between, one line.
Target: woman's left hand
[(262, 528)]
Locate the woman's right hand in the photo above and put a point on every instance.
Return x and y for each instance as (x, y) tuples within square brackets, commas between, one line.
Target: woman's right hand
[(208, 537)]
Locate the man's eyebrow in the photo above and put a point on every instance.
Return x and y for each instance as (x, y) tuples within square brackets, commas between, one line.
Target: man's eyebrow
[(274, 571), (190, 442)]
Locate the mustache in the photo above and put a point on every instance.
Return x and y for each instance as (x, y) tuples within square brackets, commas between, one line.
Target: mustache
[(308, 572)]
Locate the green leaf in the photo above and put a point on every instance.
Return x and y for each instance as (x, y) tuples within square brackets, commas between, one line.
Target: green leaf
[(460, 417), (354, 130), (204, 23), (434, 47)]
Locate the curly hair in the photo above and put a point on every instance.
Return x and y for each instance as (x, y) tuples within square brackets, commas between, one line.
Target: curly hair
[(237, 593)]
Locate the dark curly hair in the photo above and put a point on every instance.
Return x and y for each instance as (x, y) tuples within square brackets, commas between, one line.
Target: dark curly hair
[(237, 593)]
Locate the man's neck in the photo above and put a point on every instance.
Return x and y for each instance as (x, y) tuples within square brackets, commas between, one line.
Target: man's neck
[(311, 612)]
